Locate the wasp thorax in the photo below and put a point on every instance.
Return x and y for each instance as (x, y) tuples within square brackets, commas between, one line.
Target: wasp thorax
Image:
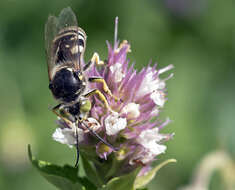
[(66, 85)]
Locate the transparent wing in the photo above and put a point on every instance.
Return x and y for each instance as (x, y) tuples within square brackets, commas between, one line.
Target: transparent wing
[(66, 18), (53, 26), (50, 33)]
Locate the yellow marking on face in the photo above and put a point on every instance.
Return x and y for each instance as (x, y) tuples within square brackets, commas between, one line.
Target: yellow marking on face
[(74, 49), (80, 48)]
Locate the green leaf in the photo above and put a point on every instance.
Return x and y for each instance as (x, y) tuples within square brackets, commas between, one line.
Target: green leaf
[(123, 182), (91, 172), (141, 181), (115, 165), (64, 178)]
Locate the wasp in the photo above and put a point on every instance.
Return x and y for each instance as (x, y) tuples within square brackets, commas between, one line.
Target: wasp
[(65, 47)]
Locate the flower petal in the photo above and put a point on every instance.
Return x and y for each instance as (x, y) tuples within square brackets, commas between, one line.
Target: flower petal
[(67, 136), (114, 124), (132, 109)]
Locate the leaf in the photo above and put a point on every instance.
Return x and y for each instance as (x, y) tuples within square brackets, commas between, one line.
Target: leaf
[(64, 178), (141, 181), (91, 172), (116, 164), (123, 182)]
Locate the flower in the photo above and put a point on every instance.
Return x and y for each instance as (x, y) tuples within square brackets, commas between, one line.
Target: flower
[(132, 125), (66, 136), (132, 109), (150, 139), (114, 124)]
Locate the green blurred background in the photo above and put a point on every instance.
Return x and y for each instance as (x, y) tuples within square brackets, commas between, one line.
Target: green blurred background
[(197, 36)]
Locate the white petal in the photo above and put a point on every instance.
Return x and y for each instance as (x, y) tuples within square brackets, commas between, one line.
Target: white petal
[(132, 109), (144, 156), (155, 148), (80, 135), (92, 123), (67, 136), (114, 124), (159, 84), (165, 69), (148, 157), (116, 69), (155, 111), (150, 135), (158, 98), (146, 85), (152, 82), (149, 140)]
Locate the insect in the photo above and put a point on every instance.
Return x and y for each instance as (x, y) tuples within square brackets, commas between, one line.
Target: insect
[(65, 47)]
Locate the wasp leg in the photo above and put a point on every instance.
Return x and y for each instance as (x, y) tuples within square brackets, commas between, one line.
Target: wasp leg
[(105, 86), (77, 148), (100, 138), (67, 121), (94, 60), (101, 97), (69, 124)]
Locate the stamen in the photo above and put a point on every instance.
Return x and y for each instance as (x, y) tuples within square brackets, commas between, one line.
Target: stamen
[(115, 31), (167, 68)]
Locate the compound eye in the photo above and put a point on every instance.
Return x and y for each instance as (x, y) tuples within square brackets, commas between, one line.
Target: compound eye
[(78, 75), (75, 75)]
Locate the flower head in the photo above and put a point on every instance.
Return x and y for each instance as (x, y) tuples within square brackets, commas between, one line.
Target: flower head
[(132, 125)]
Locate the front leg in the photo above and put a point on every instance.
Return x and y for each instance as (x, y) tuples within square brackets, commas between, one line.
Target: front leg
[(105, 86), (94, 60)]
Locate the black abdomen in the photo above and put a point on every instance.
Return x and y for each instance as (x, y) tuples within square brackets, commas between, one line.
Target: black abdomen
[(66, 85)]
